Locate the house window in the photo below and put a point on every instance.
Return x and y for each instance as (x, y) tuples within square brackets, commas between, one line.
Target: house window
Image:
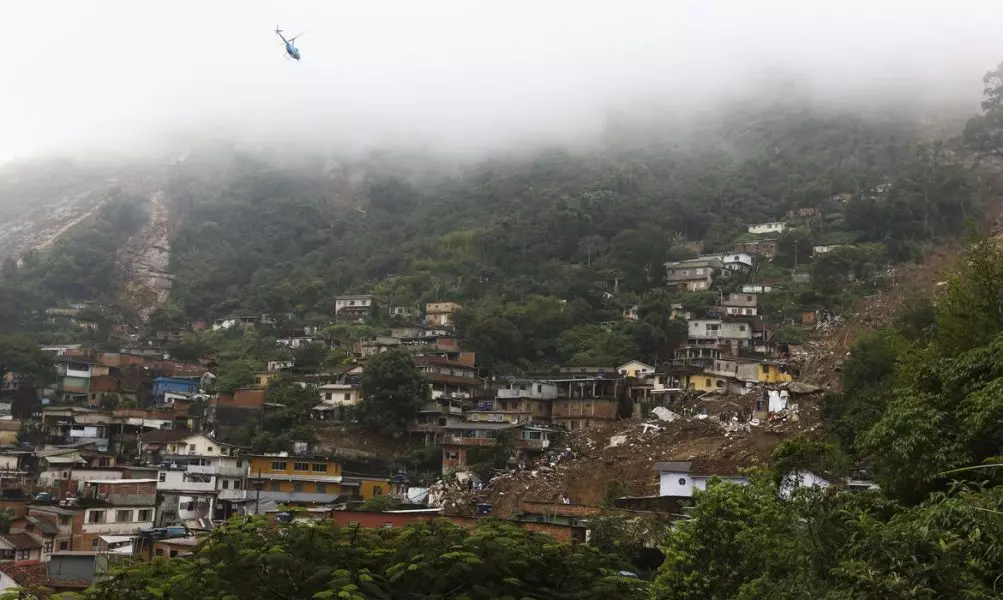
[(475, 418), (708, 383), (94, 544), (741, 327), (96, 516), (161, 477), (64, 520), (377, 490), (257, 380), (145, 515), (159, 553), (301, 466), (348, 395), (297, 486), (240, 463), (321, 488), (682, 481), (749, 298), (539, 389), (103, 462), (174, 553), (226, 484), (23, 554), (64, 546), (191, 448), (279, 465), (47, 547), (328, 396), (588, 405), (208, 449), (123, 516), (320, 467), (276, 485), (236, 484)]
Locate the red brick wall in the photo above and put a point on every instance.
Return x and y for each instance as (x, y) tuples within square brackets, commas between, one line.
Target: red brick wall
[(247, 398)]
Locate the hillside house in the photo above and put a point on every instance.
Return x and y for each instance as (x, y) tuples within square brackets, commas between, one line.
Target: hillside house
[(771, 227), (734, 261), (736, 304), (635, 368), (681, 478), (584, 401), (404, 313), (440, 314), (766, 248), (693, 275), (807, 212), (293, 479), (200, 477), (630, 313), (819, 250), (719, 332), (355, 308), (529, 441), (753, 288)]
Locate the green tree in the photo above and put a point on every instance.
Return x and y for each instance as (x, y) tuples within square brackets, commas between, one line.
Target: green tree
[(22, 354), (234, 374), (970, 312), (252, 559), (392, 391), (984, 133)]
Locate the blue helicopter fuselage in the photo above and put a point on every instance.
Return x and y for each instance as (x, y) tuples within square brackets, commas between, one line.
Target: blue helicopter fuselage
[(293, 51)]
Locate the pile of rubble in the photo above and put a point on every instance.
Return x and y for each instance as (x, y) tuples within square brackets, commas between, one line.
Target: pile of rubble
[(587, 461)]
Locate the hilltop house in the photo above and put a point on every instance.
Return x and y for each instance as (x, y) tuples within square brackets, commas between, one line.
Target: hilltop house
[(440, 314), (771, 227), (765, 248), (692, 275), (353, 308)]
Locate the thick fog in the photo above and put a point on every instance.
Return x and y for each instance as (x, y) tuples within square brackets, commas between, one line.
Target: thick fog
[(460, 74)]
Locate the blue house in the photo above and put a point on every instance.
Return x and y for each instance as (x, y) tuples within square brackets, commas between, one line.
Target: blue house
[(175, 385)]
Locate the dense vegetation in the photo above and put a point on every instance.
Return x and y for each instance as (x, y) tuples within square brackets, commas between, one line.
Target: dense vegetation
[(252, 558), (540, 249)]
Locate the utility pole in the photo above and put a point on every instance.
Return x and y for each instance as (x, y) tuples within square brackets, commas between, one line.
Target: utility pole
[(257, 494)]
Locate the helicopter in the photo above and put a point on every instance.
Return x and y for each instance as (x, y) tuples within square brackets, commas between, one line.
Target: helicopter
[(291, 49)]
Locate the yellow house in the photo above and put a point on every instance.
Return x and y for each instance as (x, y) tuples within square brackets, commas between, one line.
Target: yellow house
[(770, 373), (703, 382), (295, 479), (635, 368), (263, 378)]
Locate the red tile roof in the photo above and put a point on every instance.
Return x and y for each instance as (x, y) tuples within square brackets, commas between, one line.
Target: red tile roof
[(26, 573), (20, 541)]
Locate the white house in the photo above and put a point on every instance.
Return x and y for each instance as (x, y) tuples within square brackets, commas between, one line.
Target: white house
[(773, 227), (718, 331), (816, 250), (681, 478), (756, 289), (799, 479), (635, 368), (339, 394), (736, 261), (201, 471)]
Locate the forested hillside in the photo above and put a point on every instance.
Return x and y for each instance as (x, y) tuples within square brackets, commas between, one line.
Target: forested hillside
[(539, 248)]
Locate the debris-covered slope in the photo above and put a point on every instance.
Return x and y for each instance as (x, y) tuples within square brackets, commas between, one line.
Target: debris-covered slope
[(626, 451)]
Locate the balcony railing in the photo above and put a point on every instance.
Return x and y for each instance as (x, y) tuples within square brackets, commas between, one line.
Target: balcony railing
[(457, 440), (533, 444), (232, 494), (219, 470)]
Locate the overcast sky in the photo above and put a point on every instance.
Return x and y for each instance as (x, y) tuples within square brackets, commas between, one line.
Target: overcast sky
[(462, 73)]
